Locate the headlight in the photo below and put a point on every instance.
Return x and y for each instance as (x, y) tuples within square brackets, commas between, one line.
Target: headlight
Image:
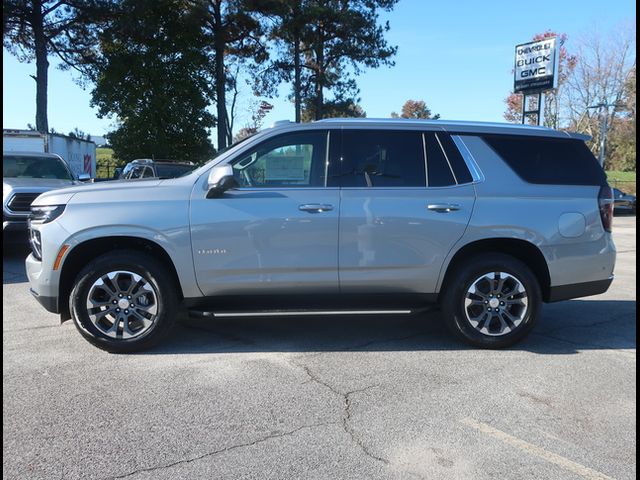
[(45, 214)]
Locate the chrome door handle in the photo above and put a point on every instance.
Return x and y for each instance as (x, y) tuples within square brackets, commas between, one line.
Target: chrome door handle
[(444, 207), (315, 207)]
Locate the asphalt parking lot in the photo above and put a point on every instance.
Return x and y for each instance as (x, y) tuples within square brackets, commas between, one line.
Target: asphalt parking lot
[(326, 398)]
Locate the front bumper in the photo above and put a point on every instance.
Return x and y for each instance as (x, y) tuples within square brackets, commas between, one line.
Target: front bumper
[(49, 303), (43, 282)]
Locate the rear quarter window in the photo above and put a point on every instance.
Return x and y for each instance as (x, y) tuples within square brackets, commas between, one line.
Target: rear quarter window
[(550, 161)]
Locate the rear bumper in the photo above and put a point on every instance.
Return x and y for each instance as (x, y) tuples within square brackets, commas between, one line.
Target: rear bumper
[(578, 290)]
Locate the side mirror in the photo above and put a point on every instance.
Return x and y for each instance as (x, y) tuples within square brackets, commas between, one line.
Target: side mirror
[(220, 180), (84, 177)]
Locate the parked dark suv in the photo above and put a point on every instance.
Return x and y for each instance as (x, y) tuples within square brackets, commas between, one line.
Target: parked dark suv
[(148, 168)]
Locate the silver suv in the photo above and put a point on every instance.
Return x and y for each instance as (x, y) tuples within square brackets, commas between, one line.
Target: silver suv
[(25, 175), (488, 221)]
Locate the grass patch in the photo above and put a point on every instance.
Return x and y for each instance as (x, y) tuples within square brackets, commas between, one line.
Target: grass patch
[(104, 154), (625, 181), (106, 163), (615, 176)]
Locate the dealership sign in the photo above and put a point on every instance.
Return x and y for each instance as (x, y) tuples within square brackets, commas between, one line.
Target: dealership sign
[(536, 66)]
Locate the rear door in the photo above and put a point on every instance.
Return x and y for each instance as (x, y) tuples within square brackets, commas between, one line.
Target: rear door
[(406, 198), (277, 232)]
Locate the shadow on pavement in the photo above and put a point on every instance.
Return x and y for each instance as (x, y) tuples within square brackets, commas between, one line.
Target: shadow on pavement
[(13, 256), (565, 328)]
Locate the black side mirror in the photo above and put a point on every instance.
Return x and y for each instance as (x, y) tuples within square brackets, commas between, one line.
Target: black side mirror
[(225, 183)]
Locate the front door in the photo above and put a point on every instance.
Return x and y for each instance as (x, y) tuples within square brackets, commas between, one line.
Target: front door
[(277, 232)]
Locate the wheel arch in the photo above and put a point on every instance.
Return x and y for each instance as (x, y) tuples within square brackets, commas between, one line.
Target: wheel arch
[(87, 250), (525, 251)]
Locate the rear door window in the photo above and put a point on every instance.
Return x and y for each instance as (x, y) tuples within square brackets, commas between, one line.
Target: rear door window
[(458, 165), (382, 158), (439, 168)]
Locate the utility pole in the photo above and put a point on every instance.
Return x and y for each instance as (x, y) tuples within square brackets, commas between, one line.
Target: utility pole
[(603, 113)]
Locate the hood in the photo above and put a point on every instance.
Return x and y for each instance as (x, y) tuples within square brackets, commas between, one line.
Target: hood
[(114, 188), (34, 184)]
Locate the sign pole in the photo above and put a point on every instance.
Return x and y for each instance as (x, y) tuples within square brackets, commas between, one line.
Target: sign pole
[(537, 111)]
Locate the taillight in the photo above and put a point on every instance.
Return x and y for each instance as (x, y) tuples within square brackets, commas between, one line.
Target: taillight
[(605, 201)]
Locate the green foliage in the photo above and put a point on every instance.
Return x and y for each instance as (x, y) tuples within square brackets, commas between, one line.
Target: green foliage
[(325, 44), (621, 148), (332, 109), (106, 163), (416, 109), (235, 42), (153, 76)]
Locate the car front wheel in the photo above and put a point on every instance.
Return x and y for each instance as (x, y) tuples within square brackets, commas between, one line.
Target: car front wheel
[(124, 301)]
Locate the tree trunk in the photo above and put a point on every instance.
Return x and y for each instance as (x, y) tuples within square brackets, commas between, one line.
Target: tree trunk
[(297, 87), (220, 76), (296, 82), (42, 68), (319, 97)]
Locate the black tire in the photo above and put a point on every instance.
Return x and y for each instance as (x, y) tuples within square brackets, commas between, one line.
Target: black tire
[(153, 272), (461, 280)]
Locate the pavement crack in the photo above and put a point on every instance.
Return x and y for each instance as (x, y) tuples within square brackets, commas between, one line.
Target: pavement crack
[(313, 377), (348, 427), (347, 411), (223, 450)]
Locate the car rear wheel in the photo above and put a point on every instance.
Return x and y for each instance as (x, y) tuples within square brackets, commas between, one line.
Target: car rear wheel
[(124, 302), (493, 301)]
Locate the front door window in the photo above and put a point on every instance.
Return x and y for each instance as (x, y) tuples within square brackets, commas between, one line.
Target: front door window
[(290, 160)]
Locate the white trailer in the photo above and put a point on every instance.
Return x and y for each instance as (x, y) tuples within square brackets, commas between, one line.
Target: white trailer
[(79, 154)]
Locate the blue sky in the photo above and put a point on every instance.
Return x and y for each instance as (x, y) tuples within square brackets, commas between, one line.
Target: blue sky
[(455, 55)]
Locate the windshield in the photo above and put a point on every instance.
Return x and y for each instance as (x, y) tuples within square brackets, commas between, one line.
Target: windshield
[(173, 171), (15, 166)]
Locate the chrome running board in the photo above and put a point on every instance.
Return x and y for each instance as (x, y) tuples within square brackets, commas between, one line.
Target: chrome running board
[(297, 313)]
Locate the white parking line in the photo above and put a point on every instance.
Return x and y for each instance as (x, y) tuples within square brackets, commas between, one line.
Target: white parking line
[(551, 457)]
